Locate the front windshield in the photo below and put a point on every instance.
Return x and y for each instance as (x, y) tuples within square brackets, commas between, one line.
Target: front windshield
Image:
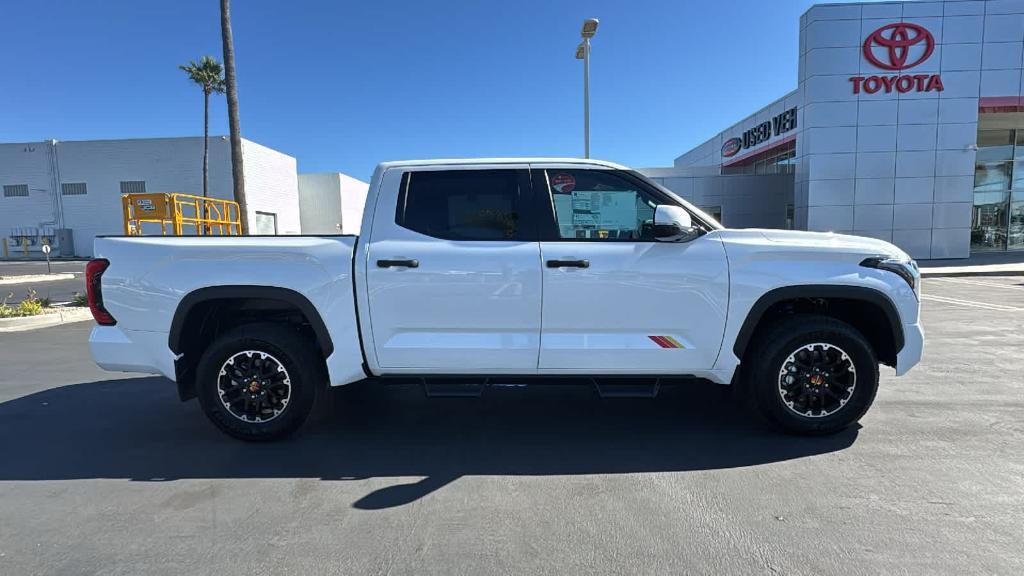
[(707, 218)]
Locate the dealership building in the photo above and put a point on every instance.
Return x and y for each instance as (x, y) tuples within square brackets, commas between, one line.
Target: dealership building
[(906, 124)]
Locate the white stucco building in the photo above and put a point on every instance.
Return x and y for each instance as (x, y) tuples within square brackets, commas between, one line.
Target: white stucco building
[(906, 124), (54, 185)]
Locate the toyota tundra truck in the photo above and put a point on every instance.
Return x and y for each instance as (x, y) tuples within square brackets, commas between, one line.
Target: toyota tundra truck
[(469, 272)]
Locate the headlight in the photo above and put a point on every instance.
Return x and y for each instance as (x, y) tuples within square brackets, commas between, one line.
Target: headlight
[(906, 269)]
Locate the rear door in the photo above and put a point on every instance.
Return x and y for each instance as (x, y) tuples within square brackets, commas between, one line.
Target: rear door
[(615, 299), (454, 273)]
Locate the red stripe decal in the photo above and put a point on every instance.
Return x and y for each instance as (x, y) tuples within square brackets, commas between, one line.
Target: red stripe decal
[(661, 342)]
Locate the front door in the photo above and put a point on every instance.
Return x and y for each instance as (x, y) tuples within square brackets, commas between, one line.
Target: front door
[(454, 274), (616, 301)]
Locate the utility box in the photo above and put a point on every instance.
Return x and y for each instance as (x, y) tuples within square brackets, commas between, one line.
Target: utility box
[(65, 242)]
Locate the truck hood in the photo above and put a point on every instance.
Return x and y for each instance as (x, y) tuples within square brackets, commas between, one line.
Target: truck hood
[(811, 242)]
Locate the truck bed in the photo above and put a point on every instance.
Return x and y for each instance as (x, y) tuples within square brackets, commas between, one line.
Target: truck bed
[(149, 276)]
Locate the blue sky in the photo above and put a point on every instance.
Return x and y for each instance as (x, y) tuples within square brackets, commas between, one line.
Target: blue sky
[(342, 85)]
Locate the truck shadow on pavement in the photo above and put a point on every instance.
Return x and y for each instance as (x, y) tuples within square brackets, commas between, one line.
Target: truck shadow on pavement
[(137, 429)]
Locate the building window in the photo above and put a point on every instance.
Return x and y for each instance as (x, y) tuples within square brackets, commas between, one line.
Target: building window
[(12, 190), (133, 186), (73, 189), (713, 211), (997, 219), (265, 223), (789, 216)]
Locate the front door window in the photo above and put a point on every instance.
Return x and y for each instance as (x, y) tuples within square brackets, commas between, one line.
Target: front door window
[(600, 205)]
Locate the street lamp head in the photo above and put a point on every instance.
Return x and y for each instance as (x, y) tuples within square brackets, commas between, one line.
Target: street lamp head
[(589, 27), (580, 51)]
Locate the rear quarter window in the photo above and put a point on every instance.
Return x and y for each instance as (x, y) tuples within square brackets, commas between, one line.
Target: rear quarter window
[(461, 204)]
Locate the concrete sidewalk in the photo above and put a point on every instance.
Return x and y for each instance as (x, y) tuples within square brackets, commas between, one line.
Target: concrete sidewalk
[(983, 264)]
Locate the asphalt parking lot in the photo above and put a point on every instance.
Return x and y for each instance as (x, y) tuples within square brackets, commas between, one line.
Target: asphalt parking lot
[(55, 290), (109, 473)]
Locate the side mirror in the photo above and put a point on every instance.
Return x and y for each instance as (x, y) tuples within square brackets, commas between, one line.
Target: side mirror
[(673, 224)]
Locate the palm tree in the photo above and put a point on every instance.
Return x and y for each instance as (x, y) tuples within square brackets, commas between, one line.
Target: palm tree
[(237, 174), (208, 74)]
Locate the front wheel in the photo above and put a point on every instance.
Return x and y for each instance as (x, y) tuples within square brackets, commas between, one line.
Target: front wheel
[(811, 375), (259, 381)]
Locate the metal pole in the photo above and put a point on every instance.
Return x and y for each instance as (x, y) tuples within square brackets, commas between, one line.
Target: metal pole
[(586, 97)]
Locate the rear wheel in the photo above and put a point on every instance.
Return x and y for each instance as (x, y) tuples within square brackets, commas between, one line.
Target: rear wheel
[(811, 375), (259, 381)]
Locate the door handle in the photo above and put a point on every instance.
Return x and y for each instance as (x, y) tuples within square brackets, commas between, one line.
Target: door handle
[(398, 263), (568, 263)]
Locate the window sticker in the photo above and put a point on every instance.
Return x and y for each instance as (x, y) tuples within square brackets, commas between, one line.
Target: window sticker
[(563, 183)]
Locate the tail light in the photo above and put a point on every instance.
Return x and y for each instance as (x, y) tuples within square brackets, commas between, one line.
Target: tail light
[(93, 272)]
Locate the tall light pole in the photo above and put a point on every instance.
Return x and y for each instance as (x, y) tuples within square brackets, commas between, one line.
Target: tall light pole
[(583, 53)]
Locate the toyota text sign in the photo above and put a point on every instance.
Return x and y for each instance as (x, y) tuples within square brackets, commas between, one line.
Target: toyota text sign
[(897, 47)]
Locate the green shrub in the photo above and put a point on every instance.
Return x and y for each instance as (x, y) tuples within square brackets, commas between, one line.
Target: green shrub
[(30, 306), (80, 299)]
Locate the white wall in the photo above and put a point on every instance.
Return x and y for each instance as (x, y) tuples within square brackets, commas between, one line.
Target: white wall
[(26, 164), (271, 185), (165, 164), (331, 203), (353, 198), (320, 203)]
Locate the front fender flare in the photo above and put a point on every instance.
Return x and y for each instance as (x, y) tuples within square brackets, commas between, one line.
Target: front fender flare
[(826, 291)]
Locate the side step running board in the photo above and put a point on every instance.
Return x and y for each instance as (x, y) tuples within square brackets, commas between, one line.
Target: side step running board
[(455, 388), (627, 387), (474, 387)]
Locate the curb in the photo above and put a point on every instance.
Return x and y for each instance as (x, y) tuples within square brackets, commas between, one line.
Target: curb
[(61, 316), (32, 278)]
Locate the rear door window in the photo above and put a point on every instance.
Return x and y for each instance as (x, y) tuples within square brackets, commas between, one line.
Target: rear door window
[(462, 204)]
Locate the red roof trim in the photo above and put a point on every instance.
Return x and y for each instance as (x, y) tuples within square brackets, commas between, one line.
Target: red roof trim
[(991, 104)]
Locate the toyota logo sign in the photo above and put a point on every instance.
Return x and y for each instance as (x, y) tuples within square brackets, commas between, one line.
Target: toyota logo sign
[(895, 42), (896, 47), (731, 147)]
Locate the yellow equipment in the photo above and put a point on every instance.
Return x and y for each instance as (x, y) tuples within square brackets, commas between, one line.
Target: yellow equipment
[(181, 214)]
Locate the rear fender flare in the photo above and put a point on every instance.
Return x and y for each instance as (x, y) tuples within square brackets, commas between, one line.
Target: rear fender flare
[(242, 292)]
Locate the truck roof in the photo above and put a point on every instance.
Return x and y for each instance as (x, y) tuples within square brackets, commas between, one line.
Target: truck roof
[(464, 161)]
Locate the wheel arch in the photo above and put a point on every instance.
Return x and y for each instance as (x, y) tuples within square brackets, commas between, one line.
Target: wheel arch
[(885, 334), (197, 306)]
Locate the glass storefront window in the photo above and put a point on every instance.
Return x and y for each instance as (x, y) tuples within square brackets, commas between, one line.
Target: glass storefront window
[(997, 220), (1015, 238), (1018, 171), (988, 221), (773, 162), (995, 145), (1020, 145), (991, 176)]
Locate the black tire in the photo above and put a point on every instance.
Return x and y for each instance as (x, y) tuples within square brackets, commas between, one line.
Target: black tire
[(765, 387), (303, 370)]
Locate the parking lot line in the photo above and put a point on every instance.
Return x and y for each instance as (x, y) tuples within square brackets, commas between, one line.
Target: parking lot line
[(979, 283), (970, 303)]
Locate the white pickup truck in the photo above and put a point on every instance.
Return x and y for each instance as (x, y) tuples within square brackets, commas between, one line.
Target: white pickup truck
[(469, 272)]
